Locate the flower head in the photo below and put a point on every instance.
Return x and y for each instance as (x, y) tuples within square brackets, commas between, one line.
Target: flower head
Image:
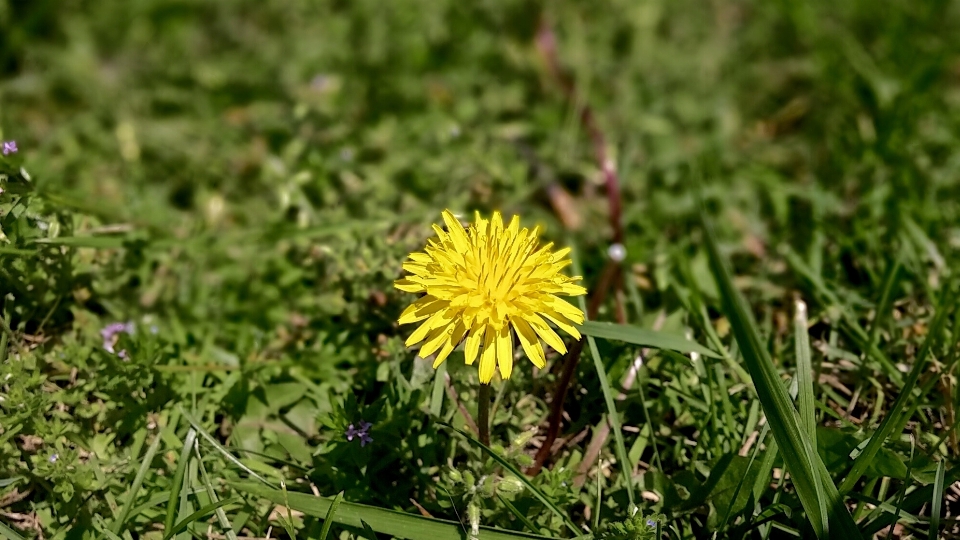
[(361, 433), (485, 283), (9, 147), (111, 334)]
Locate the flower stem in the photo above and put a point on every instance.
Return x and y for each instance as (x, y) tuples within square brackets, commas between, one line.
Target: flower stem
[(483, 414)]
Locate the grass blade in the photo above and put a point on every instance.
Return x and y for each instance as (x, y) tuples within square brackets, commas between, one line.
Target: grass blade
[(641, 336), (219, 447), (331, 512), (901, 493), (518, 514), (523, 479), (851, 325), (805, 398), (7, 532), (196, 516), (177, 484), (625, 468), (890, 278), (893, 421), (212, 494), (937, 501), (380, 520), (137, 482), (818, 495), (614, 417)]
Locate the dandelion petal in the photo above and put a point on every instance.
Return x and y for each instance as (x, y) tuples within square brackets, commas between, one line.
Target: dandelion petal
[(482, 284)]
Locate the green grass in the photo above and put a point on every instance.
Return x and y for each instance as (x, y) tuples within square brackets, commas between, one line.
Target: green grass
[(242, 180)]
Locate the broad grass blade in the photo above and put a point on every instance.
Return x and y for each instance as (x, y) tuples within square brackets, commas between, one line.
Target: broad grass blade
[(818, 495), (383, 521), (641, 336)]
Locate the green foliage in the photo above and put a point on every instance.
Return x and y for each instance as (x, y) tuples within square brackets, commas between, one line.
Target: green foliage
[(636, 527), (240, 181)]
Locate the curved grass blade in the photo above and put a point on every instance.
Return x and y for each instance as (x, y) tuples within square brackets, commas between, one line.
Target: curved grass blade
[(523, 479), (518, 514), (212, 494), (137, 482), (642, 336), (818, 495), (219, 447), (331, 512), (381, 520), (196, 516)]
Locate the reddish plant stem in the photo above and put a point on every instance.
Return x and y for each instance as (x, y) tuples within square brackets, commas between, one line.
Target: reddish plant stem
[(467, 418), (547, 45), (571, 359), (612, 272)]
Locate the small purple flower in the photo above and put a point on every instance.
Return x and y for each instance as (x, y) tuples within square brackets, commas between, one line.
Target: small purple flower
[(9, 147), (651, 523), (111, 333), (353, 432), (54, 457)]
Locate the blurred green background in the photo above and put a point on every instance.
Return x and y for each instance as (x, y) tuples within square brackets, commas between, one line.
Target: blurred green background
[(242, 180)]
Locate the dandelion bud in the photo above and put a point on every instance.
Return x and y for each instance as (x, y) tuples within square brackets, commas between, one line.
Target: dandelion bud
[(488, 487), (473, 515), (523, 438), (510, 485), (455, 476)]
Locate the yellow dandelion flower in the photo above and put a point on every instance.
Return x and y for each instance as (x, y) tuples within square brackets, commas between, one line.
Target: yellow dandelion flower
[(485, 283)]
